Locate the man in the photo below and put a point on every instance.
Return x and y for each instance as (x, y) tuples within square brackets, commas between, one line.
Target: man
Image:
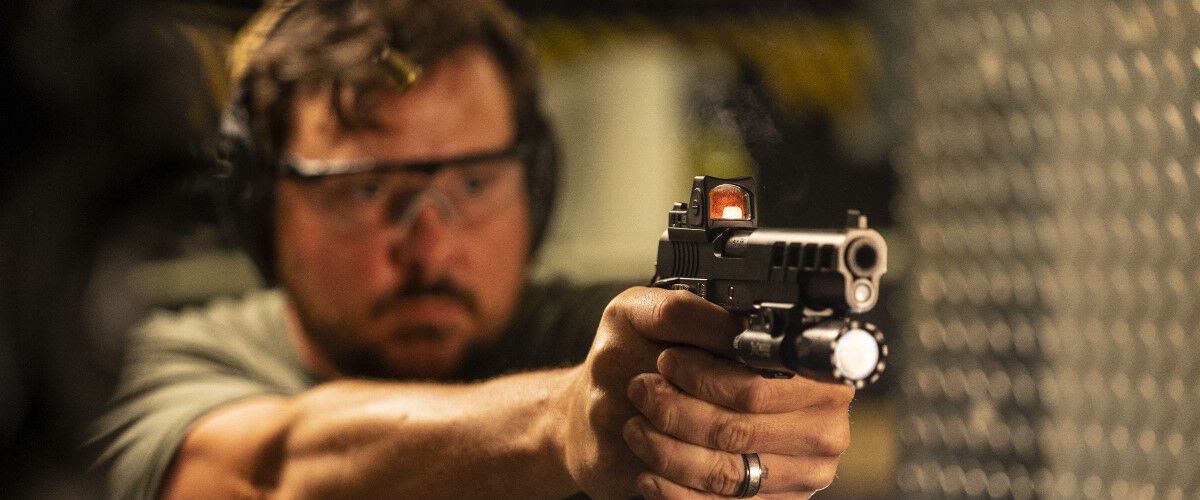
[(401, 221)]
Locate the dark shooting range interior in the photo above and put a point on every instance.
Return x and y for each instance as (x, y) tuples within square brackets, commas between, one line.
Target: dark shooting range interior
[(1032, 165)]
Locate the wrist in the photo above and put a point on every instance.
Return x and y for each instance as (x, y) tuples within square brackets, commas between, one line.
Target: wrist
[(548, 432), (556, 421)]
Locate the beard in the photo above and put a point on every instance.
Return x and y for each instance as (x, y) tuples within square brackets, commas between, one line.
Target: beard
[(341, 339)]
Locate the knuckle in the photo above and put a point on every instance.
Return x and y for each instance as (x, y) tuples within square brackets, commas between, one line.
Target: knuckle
[(616, 309), (669, 365), (724, 476), (755, 398), (606, 368), (831, 443), (661, 412), (620, 310), (603, 354), (658, 459), (650, 487), (733, 435), (838, 398), (818, 477), (844, 396), (671, 307), (602, 411), (840, 438), (708, 388)]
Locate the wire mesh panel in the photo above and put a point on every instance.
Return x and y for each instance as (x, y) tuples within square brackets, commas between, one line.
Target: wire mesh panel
[(1050, 184)]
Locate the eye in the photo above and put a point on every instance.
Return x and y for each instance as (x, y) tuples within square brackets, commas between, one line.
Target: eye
[(366, 190), (476, 183)]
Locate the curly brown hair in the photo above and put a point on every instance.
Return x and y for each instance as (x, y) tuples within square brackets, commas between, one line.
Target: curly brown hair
[(336, 44)]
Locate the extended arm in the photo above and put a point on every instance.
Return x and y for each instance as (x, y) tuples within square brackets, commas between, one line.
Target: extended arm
[(372, 440), (536, 435)]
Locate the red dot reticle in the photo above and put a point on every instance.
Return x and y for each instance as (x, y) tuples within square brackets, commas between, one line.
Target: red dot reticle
[(728, 202)]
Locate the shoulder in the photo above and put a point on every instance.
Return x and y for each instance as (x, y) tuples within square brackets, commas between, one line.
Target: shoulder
[(223, 323), (182, 365), (236, 341)]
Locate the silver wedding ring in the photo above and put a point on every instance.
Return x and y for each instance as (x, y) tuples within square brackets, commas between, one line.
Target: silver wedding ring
[(755, 474)]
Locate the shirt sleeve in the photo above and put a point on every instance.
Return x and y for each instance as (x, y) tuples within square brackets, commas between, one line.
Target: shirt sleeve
[(178, 368)]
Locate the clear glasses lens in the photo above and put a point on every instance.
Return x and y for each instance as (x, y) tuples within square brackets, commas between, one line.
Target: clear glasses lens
[(464, 193)]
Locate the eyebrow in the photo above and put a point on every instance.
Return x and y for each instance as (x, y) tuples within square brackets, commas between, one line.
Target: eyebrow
[(295, 165)]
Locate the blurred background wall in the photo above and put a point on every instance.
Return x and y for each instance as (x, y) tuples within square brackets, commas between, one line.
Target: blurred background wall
[(1032, 164), (101, 107), (1049, 190)]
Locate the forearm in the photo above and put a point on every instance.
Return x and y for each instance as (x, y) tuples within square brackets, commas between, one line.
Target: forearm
[(412, 440)]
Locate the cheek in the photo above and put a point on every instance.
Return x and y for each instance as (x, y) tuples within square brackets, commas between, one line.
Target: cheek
[(497, 255), (325, 268)]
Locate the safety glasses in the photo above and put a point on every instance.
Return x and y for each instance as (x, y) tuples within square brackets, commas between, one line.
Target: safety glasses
[(362, 195)]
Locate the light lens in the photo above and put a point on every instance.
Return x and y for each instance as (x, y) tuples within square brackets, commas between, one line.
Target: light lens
[(856, 354), (728, 202)]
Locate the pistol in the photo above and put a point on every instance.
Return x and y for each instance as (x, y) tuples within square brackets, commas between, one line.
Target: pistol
[(797, 287)]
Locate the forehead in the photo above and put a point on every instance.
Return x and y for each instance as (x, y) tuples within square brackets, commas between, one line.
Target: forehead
[(460, 106)]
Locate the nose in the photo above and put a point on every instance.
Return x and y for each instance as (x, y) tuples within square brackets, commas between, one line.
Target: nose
[(425, 241)]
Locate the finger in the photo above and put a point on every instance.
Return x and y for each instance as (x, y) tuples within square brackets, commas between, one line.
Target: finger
[(721, 472), (684, 463), (734, 386), (654, 487), (824, 433), (675, 317)]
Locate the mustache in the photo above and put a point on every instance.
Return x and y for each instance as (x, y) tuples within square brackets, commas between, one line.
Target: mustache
[(441, 288)]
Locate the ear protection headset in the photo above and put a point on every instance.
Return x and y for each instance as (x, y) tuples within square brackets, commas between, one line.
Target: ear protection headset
[(246, 173)]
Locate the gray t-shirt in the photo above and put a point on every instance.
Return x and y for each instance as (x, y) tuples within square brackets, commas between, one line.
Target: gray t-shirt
[(181, 366)]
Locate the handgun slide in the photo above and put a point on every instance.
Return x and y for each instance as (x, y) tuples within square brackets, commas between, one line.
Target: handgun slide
[(796, 286)]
